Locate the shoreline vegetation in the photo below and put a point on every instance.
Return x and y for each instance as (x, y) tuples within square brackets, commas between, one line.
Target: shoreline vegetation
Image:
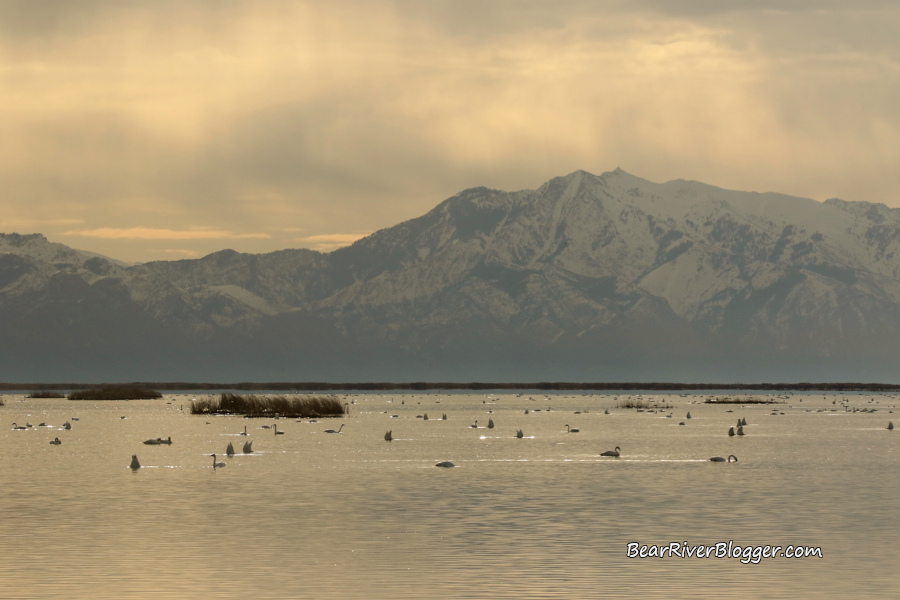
[(46, 394), (115, 393), (253, 405), (317, 386), (729, 400)]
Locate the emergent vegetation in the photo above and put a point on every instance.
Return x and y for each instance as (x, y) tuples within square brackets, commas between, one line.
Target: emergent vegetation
[(115, 394), (744, 400), (253, 405)]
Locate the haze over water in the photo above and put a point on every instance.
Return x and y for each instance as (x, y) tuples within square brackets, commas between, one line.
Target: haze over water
[(349, 515)]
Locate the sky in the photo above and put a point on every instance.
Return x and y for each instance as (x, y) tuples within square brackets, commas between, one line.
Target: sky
[(169, 129)]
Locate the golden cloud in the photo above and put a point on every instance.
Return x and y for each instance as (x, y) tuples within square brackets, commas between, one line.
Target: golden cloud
[(330, 241), (147, 233)]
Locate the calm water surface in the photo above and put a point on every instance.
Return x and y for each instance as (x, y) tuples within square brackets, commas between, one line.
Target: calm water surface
[(317, 515)]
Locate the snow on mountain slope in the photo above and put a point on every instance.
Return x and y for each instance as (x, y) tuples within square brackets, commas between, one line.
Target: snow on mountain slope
[(583, 269)]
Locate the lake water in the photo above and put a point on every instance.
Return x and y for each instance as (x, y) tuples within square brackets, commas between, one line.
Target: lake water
[(350, 515)]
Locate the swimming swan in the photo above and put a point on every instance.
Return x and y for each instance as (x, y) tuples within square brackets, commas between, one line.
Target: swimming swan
[(890, 425), (333, 431), (731, 431), (275, 427), (19, 427), (248, 447), (611, 452), (217, 464), (490, 423), (519, 433), (731, 458), (229, 450), (55, 441), (445, 463), (388, 437), (135, 463), (571, 430), (245, 431)]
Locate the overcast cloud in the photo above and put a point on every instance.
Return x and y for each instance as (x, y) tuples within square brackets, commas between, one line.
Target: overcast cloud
[(160, 129)]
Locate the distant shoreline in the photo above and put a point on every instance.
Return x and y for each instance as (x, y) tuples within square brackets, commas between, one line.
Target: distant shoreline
[(316, 386)]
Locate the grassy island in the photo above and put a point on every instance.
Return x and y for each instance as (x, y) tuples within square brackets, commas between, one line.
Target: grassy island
[(115, 394), (731, 400), (253, 405)]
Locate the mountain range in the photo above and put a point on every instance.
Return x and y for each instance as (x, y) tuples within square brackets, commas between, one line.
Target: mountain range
[(587, 278)]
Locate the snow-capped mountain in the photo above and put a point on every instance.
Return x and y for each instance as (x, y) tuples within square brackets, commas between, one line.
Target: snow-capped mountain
[(592, 278)]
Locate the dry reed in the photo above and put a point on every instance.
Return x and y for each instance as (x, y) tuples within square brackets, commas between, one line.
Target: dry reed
[(253, 405)]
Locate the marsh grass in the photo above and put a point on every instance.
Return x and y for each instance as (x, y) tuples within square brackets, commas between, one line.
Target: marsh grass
[(253, 405), (641, 404), (730, 400), (115, 394), (47, 394)]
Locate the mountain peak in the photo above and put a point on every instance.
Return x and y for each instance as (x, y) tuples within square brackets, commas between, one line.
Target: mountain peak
[(587, 277)]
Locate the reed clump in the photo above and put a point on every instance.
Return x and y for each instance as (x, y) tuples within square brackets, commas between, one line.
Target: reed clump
[(47, 394), (631, 403), (731, 400), (115, 394), (255, 405)]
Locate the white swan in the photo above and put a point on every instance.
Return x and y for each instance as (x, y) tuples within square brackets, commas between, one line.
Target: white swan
[(275, 427), (245, 431), (248, 447), (387, 436), (217, 464), (474, 425), (611, 452), (135, 463), (731, 458), (19, 427), (333, 431), (229, 450), (569, 430), (55, 441)]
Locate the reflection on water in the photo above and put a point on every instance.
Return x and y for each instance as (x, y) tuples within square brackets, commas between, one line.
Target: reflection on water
[(349, 515)]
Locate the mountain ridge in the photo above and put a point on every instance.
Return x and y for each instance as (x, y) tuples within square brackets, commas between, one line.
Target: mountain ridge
[(588, 277)]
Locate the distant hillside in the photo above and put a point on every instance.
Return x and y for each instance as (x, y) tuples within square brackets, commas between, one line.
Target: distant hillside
[(588, 278)]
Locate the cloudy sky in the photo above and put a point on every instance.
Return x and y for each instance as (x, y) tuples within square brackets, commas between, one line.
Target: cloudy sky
[(167, 129)]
